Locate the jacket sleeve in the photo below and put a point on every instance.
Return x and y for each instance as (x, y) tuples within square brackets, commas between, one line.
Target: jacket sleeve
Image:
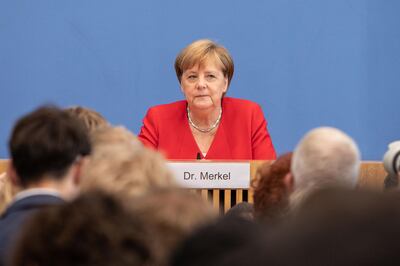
[(149, 132), (262, 147)]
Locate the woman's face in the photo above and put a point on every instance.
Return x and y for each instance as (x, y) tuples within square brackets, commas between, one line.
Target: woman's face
[(204, 85)]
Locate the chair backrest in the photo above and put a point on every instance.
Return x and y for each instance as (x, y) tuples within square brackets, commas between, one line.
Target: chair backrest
[(3, 165)]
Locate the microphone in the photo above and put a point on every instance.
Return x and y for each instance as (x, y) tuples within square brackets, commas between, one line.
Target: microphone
[(198, 156)]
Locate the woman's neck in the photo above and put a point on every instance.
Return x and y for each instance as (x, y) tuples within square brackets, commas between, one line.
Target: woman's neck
[(204, 117)]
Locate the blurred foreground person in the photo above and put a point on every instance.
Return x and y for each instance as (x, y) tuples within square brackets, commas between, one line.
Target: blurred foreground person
[(339, 227), (47, 147), (273, 188), (325, 157), (119, 164), (90, 118), (224, 243), (242, 210), (171, 214), (94, 229)]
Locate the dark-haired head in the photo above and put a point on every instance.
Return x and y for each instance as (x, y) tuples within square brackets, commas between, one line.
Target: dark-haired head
[(46, 142), (337, 226), (226, 242)]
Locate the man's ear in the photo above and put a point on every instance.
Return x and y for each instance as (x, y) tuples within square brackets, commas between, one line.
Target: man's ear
[(288, 180), (77, 171), (12, 174)]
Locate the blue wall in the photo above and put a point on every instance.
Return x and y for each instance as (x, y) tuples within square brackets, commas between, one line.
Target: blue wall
[(308, 63)]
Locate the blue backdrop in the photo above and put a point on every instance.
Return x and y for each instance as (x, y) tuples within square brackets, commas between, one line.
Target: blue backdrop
[(307, 62)]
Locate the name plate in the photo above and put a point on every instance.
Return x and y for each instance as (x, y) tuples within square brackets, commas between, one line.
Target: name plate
[(205, 175)]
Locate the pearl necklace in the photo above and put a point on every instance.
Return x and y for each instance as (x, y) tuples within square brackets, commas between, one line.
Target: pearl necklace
[(204, 130)]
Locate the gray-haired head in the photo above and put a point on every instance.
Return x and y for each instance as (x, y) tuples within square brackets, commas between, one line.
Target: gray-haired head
[(324, 157)]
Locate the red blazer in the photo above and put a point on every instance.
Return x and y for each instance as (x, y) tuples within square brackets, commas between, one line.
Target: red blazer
[(242, 133)]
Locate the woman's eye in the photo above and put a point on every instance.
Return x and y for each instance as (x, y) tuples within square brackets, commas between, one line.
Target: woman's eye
[(191, 77), (210, 76)]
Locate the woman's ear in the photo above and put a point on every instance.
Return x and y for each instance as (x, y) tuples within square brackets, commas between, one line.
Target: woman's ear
[(226, 85)]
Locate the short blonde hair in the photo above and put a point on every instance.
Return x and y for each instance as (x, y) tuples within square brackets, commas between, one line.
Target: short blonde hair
[(200, 51), (110, 136), (121, 165), (90, 118)]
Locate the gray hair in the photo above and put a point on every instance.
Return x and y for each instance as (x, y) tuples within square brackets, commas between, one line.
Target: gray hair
[(325, 157)]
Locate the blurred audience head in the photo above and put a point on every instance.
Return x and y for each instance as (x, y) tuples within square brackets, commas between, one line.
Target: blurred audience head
[(95, 229), (224, 243), (90, 118), (339, 227), (325, 157), (273, 188), (242, 210), (47, 144), (114, 136), (120, 164), (171, 214)]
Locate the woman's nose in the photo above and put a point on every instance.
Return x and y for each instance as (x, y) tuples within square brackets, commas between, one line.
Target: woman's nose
[(201, 84)]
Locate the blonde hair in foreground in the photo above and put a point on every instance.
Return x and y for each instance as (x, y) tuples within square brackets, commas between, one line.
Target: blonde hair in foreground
[(172, 214), (119, 164), (110, 136), (90, 118)]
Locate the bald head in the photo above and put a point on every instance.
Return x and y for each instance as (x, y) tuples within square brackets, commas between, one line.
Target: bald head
[(325, 157)]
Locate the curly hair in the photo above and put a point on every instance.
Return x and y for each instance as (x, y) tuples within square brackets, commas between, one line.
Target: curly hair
[(271, 194), (95, 229)]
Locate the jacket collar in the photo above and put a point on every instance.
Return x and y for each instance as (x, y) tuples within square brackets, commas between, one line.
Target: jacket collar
[(32, 202)]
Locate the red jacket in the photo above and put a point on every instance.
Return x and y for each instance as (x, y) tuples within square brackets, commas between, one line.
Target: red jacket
[(242, 133)]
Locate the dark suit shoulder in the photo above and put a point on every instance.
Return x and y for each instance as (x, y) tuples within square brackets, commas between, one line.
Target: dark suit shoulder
[(15, 216), (31, 203)]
